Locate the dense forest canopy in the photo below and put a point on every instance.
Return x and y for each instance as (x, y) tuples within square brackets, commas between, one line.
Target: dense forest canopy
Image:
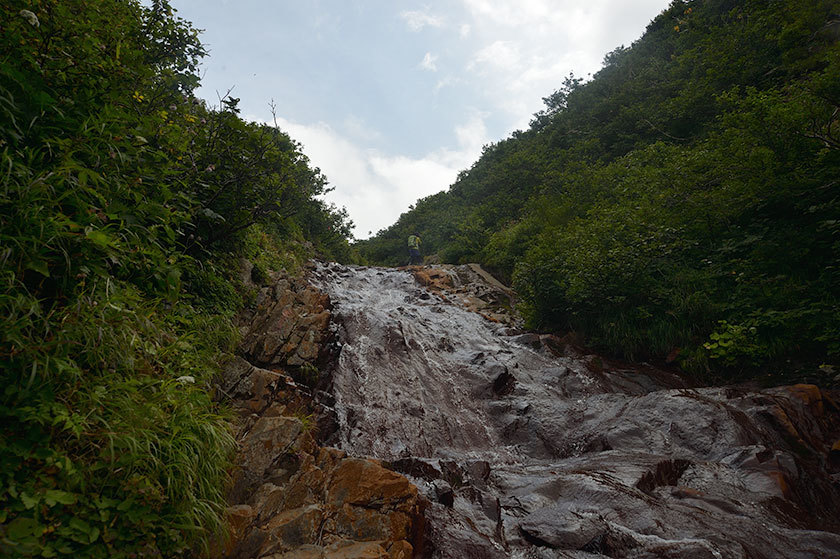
[(683, 203), (125, 206)]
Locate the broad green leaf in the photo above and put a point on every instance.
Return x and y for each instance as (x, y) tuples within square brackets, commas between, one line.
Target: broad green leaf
[(100, 237), (21, 528), (39, 266), (28, 501), (54, 496), (80, 525)]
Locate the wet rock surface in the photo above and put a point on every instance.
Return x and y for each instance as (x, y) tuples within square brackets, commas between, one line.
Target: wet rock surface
[(470, 287), (525, 446), (290, 497)]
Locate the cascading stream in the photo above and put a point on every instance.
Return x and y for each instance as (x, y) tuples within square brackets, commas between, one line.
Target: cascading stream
[(409, 369), (528, 453)]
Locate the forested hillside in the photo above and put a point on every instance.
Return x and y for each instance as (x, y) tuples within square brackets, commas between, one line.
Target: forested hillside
[(126, 204), (684, 203)]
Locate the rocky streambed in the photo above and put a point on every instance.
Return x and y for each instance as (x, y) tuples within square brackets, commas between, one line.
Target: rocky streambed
[(438, 428)]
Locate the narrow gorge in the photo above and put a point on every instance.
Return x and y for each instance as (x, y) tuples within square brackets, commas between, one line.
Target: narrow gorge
[(404, 413)]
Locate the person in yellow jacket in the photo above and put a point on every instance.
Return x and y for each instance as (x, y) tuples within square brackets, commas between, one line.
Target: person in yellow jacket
[(414, 257)]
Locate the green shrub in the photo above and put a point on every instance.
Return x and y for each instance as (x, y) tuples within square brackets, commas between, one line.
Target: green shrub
[(118, 225), (692, 180)]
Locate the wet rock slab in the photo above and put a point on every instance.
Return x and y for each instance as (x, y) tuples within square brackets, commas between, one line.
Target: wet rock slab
[(526, 446), (291, 497)]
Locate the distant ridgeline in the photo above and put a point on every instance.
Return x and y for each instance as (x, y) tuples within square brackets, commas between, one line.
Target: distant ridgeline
[(125, 206), (685, 202)]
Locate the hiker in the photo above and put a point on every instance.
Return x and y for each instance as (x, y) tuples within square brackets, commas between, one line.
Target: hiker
[(414, 258)]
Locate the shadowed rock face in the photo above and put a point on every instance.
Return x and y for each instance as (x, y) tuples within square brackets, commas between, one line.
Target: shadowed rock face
[(528, 448)]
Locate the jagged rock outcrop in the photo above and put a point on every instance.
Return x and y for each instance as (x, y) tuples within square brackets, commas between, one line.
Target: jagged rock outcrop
[(469, 286), (289, 327), (291, 498)]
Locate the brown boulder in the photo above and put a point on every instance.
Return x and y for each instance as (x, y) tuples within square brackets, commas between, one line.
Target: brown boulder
[(339, 550), (270, 438), (303, 552), (268, 442), (811, 396), (364, 483), (401, 550), (292, 529), (356, 550), (290, 326), (307, 486), (239, 519), (364, 524), (432, 277)]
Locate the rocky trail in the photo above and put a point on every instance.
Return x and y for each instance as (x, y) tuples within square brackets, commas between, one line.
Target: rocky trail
[(404, 413)]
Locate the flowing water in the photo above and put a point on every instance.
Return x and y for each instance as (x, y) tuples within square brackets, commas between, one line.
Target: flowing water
[(525, 450)]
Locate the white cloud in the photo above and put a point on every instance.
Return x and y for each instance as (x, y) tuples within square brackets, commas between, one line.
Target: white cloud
[(512, 13), (502, 55), (417, 20), (448, 81), (465, 30), (377, 187), (527, 48), (428, 62), (472, 135), (358, 129)]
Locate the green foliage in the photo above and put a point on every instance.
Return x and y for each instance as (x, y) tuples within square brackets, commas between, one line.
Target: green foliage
[(688, 190), (308, 421), (125, 204), (734, 343), (307, 374), (110, 443), (211, 290), (268, 253)]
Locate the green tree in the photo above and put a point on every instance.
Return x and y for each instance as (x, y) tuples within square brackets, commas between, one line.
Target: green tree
[(124, 201), (681, 202)]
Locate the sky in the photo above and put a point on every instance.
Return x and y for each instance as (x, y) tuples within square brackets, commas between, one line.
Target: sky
[(391, 99)]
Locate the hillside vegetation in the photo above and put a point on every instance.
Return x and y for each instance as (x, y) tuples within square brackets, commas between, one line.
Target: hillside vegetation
[(683, 203), (125, 206)]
